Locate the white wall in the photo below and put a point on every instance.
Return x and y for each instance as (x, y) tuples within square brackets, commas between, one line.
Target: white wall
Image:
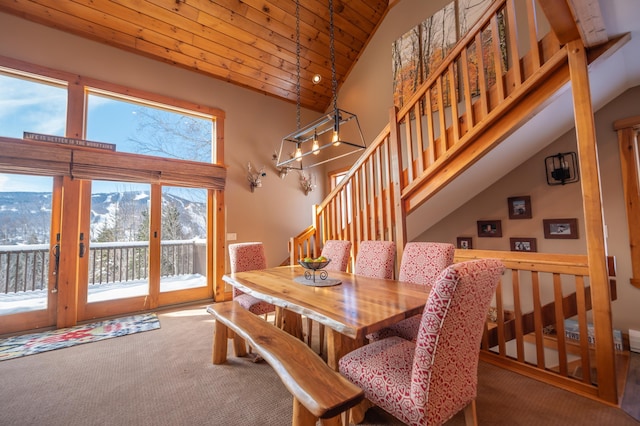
[(254, 125)]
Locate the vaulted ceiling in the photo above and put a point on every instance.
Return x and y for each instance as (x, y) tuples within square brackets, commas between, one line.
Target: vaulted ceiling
[(251, 43)]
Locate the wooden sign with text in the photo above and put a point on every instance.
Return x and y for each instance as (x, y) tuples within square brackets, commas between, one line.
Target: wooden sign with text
[(69, 141)]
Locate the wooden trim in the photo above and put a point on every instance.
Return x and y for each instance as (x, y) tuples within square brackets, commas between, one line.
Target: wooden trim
[(629, 122), (41, 158), (629, 166)]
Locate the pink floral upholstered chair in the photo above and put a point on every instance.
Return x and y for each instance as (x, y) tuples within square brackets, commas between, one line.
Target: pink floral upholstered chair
[(428, 381), (421, 263), (249, 257), (339, 251), (375, 259)]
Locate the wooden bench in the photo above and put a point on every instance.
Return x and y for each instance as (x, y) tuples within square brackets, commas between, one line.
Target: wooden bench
[(318, 391)]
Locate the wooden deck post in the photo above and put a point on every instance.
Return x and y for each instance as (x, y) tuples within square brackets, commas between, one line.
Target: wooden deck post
[(594, 222)]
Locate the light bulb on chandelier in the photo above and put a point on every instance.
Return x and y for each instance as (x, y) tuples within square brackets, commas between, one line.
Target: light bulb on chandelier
[(315, 148), (298, 155)]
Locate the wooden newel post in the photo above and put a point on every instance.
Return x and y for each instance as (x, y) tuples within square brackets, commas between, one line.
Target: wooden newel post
[(594, 222)]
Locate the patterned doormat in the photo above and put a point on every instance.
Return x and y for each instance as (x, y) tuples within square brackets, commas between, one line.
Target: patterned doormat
[(29, 344)]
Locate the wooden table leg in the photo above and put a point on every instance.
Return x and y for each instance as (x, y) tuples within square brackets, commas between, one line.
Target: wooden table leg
[(338, 346), (292, 323), (219, 343), (301, 416), (357, 413)]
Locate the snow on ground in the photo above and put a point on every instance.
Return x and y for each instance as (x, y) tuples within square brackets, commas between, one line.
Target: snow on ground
[(24, 301)]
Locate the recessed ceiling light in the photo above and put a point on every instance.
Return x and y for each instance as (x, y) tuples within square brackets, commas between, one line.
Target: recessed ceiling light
[(316, 79)]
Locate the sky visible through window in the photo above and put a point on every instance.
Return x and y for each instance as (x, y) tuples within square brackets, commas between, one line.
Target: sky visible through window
[(30, 106)]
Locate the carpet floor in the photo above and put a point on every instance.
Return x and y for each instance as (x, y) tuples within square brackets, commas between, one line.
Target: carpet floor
[(166, 378)]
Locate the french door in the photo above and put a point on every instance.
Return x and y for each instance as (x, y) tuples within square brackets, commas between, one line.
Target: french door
[(72, 250), (29, 251)]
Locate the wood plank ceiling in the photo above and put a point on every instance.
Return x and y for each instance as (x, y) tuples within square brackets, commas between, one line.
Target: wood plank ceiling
[(250, 43)]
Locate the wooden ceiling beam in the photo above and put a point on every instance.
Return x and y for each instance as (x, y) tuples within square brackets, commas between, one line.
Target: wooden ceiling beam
[(561, 19), (590, 22), (576, 19)]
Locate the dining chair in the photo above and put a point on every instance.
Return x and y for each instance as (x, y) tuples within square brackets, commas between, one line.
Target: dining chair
[(428, 381), (249, 257), (339, 251), (375, 259), (421, 263)]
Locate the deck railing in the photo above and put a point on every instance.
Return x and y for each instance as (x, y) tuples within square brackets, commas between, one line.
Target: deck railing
[(23, 268), (26, 267)]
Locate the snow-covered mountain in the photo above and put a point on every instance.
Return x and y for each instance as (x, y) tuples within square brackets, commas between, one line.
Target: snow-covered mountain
[(25, 216)]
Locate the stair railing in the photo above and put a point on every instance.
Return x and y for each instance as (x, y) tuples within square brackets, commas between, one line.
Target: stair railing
[(486, 86)]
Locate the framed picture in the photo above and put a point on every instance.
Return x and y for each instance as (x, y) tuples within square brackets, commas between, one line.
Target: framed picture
[(464, 243), (520, 207), (523, 244), (489, 228), (560, 228)]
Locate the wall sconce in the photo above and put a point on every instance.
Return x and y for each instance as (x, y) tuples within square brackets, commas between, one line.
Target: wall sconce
[(255, 176), (307, 182), (562, 168), (283, 171)]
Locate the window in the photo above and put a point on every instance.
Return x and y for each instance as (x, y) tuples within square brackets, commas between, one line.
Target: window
[(149, 129), (31, 103), (144, 210)]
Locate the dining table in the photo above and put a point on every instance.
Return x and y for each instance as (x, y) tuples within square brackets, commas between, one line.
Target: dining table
[(350, 306)]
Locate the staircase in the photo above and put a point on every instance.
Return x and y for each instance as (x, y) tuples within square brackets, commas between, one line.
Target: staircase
[(451, 122)]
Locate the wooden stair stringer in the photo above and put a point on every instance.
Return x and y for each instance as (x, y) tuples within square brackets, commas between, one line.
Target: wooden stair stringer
[(549, 83)]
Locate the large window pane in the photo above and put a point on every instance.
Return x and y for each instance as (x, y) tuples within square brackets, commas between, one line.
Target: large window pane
[(28, 105), (119, 247), (25, 223), (184, 237), (139, 128)]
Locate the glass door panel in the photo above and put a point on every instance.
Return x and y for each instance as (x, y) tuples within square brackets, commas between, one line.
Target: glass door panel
[(25, 237), (184, 239), (119, 241)]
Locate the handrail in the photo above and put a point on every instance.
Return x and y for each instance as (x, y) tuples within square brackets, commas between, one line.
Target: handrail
[(544, 347), (303, 245)]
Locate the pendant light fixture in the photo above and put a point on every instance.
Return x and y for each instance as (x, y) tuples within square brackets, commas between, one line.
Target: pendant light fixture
[(327, 138)]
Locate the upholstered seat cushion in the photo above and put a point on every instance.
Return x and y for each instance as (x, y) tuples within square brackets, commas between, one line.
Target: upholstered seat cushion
[(383, 370), (253, 304), (407, 329)]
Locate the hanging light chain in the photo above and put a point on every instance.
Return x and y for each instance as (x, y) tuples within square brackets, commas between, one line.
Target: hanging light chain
[(334, 81), (298, 64)]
